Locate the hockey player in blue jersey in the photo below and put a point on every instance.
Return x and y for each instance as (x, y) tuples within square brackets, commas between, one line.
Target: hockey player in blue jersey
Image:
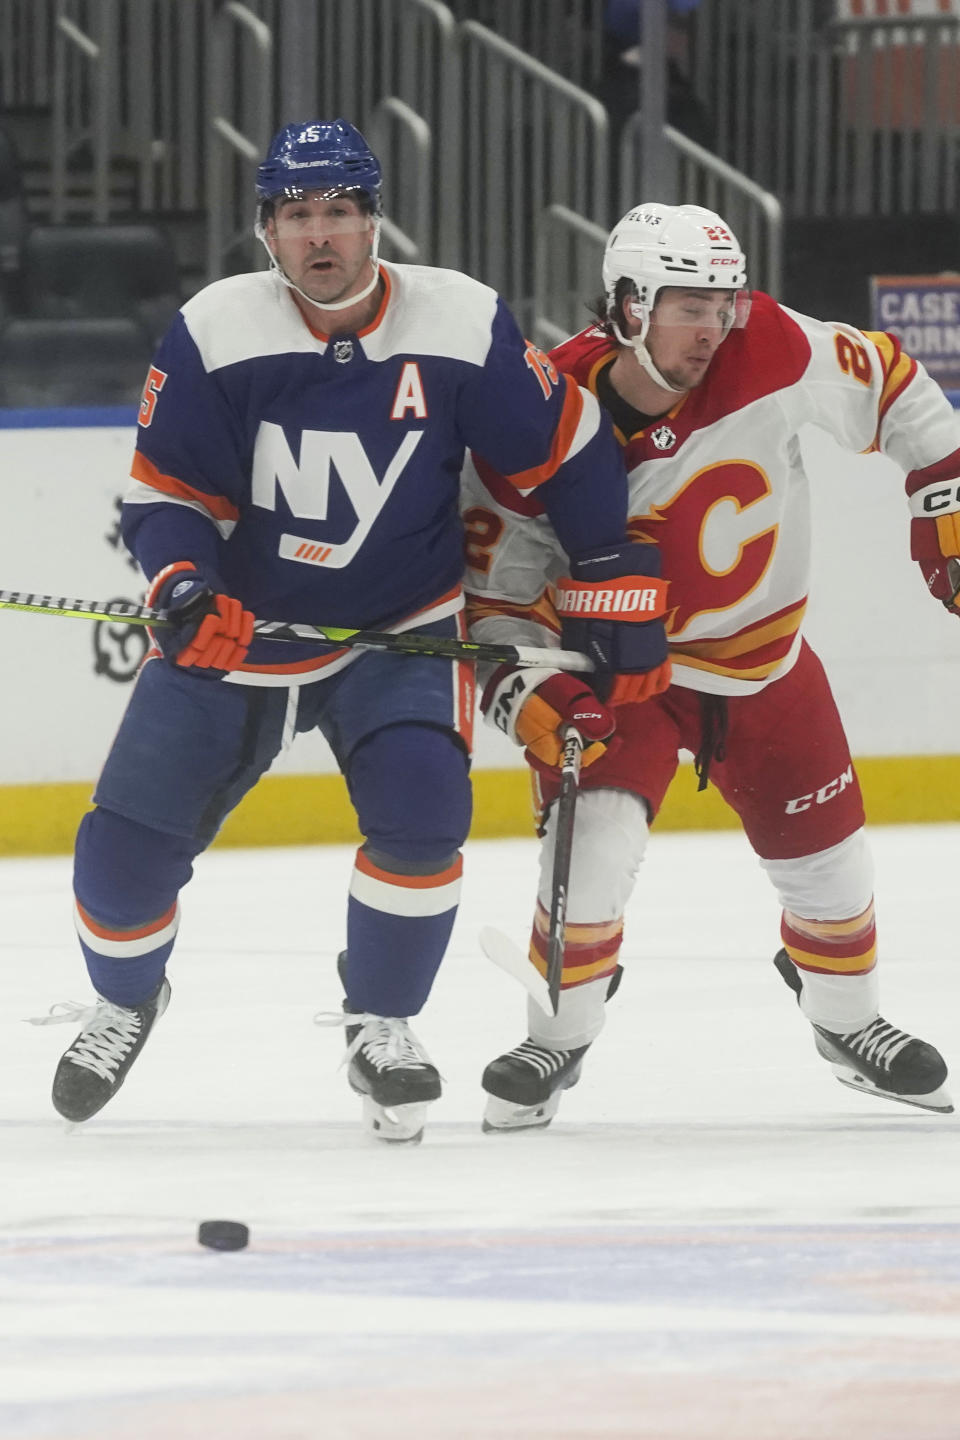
[(300, 442)]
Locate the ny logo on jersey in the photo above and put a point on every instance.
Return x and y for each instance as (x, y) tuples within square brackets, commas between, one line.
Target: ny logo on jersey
[(306, 485)]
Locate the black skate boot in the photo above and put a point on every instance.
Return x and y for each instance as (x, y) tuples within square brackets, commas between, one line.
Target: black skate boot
[(389, 1067), (525, 1085), (92, 1070), (879, 1059)]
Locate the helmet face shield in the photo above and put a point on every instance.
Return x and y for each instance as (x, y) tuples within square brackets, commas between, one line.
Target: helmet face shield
[(318, 215), (722, 310)]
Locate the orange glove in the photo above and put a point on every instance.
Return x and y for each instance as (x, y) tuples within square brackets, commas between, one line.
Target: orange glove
[(207, 630), (222, 638)]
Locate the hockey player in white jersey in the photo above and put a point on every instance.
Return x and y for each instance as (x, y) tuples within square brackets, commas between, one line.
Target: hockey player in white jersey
[(299, 455), (707, 388)]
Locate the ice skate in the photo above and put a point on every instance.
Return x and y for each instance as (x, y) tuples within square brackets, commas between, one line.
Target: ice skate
[(94, 1067), (879, 1059), (388, 1066), (525, 1085)]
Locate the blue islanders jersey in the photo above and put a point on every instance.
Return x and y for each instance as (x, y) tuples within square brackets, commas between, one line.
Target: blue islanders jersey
[(317, 478)]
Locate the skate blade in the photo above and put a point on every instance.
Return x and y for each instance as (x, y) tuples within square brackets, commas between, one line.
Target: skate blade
[(503, 1115), (938, 1102), (396, 1124)]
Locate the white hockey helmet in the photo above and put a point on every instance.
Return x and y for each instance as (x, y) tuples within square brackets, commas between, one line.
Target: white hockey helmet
[(655, 246)]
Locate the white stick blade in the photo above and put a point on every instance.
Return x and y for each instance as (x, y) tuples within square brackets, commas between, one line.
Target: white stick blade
[(510, 958)]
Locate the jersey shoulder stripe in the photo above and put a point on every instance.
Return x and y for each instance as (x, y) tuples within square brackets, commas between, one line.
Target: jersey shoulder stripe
[(569, 437), (898, 368)]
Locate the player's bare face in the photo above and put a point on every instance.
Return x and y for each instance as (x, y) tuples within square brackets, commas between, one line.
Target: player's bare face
[(687, 328), (323, 244)]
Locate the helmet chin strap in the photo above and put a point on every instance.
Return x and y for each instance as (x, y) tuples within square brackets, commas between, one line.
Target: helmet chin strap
[(278, 269), (644, 358)]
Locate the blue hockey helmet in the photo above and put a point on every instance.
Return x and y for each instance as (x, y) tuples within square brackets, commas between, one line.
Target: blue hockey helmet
[(328, 155)]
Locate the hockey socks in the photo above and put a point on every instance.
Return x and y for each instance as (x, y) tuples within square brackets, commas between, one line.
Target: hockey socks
[(126, 965), (877, 1058), (398, 927), (126, 879)]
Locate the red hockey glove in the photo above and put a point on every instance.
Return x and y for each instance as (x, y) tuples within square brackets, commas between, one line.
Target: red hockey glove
[(534, 711), (943, 581), (935, 545), (209, 630), (612, 607)]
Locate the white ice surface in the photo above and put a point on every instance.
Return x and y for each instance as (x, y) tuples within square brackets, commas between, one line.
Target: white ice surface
[(713, 1240)]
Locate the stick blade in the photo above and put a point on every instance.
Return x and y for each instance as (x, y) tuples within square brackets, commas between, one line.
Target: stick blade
[(510, 958)]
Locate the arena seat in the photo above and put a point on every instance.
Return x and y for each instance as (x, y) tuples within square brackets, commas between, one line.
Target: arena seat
[(101, 271), (13, 217), (47, 363)]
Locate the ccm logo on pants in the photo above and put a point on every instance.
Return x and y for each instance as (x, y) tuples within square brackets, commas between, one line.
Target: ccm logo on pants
[(821, 796)]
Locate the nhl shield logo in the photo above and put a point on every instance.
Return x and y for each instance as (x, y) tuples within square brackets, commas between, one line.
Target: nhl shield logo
[(343, 351), (663, 437)]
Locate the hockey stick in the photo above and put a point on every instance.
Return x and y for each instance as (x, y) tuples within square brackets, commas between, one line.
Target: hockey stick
[(499, 947), (562, 856), (401, 643)]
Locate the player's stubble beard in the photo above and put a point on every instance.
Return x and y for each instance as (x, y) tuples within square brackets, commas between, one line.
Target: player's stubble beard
[(685, 379)]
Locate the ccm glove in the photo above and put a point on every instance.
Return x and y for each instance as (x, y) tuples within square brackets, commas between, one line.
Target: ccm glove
[(935, 530), (943, 581), (534, 707), (612, 607), (208, 630), (935, 545), (563, 700)]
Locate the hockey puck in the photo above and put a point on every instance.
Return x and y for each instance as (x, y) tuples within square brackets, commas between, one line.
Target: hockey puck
[(223, 1234)]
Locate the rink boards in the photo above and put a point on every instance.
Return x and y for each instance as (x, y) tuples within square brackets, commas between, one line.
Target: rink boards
[(892, 655)]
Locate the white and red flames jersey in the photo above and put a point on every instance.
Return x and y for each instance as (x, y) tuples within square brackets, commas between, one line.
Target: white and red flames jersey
[(718, 484)]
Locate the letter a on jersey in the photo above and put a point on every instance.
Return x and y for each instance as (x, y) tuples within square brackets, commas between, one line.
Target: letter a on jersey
[(409, 394), (306, 485)]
